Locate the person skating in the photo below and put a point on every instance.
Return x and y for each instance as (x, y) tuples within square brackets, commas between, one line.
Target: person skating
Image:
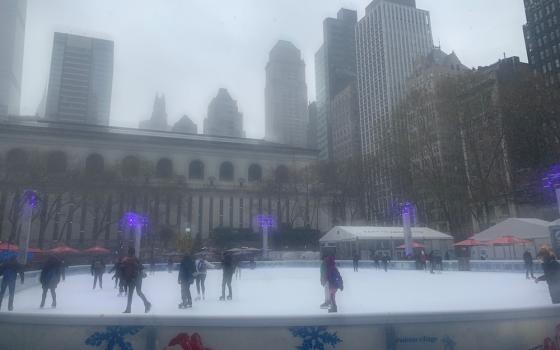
[(9, 271), (323, 280), (132, 274), (355, 261), (187, 271), (228, 269), (97, 271), (50, 277), (551, 269), (385, 261), (528, 259), (334, 280), (202, 266)]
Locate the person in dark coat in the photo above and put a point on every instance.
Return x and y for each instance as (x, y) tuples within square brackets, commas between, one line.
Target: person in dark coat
[(50, 277), (187, 271), (551, 269), (355, 261), (385, 261), (9, 271), (528, 259), (97, 271), (334, 281), (228, 269), (132, 274), (117, 273)]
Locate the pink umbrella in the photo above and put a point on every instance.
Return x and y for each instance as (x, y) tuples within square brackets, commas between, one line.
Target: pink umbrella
[(471, 242), (97, 250), (63, 249), (5, 246), (414, 246)]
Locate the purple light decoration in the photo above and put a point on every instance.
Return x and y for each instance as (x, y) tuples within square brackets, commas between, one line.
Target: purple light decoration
[(265, 221), (133, 220), (30, 198), (407, 208), (551, 179)]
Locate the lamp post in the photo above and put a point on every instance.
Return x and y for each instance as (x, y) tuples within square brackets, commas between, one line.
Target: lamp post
[(265, 222), (29, 202), (135, 221), (406, 212)]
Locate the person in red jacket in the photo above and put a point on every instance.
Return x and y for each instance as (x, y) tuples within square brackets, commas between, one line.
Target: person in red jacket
[(132, 274), (334, 279)]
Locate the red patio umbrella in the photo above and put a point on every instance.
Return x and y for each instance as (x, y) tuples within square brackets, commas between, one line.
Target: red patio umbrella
[(471, 242), (509, 240), (415, 245), (97, 250), (34, 250), (63, 249), (5, 246)]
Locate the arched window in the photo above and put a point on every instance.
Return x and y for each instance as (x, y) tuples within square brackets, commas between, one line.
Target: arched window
[(56, 162), (255, 173), (282, 174), (164, 168), (196, 170), (130, 166), (95, 164), (226, 171), (16, 160)]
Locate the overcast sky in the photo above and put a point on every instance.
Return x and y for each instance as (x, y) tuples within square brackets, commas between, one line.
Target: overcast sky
[(188, 49)]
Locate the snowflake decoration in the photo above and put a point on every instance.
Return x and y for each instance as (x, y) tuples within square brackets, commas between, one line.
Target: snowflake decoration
[(114, 336), (315, 338), (448, 343)]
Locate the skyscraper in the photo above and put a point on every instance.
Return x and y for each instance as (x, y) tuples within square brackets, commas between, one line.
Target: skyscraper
[(158, 121), (335, 68), (542, 38), (185, 125), (12, 35), (391, 37), (286, 96), (81, 80), (224, 119)]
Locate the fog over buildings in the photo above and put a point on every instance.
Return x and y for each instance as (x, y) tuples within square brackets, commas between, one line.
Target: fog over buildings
[(188, 51)]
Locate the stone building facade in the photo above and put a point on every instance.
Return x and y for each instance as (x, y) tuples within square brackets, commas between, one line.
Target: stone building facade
[(87, 177)]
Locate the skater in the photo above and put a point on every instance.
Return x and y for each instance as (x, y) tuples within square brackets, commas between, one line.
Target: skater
[(132, 274), (528, 259), (355, 261), (117, 273), (202, 266), (334, 281), (228, 268), (9, 270), (323, 280), (423, 261), (170, 265), (97, 271), (551, 269), (50, 277), (187, 271), (385, 261)]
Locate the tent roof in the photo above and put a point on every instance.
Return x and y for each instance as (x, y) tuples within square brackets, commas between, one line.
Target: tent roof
[(518, 227), (352, 233)]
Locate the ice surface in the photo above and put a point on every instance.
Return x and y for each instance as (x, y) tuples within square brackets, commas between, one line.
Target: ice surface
[(297, 291)]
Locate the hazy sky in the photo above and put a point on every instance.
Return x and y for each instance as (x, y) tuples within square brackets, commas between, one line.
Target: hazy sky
[(187, 49)]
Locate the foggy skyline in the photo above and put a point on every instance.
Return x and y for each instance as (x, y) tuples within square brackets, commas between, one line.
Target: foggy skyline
[(188, 50)]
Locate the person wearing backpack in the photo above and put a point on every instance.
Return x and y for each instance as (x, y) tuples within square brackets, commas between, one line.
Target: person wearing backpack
[(202, 266), (50, 277), (97, 271), (187, 271), (132, 274), (9, 271)]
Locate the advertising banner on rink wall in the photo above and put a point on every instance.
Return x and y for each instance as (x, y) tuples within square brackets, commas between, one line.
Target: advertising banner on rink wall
[(524, 334)]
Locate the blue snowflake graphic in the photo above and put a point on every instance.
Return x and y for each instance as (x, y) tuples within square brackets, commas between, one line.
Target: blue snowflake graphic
[(448, 343), (315, 338), (114, 336)]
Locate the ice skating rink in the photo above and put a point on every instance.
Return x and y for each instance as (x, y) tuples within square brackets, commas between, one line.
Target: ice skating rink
[(297, 291)]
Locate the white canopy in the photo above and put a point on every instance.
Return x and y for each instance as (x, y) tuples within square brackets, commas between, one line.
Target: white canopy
[(353, 233), (521, 228)]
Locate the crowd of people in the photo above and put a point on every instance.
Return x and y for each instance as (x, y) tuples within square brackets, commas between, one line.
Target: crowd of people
[(128, 273)]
